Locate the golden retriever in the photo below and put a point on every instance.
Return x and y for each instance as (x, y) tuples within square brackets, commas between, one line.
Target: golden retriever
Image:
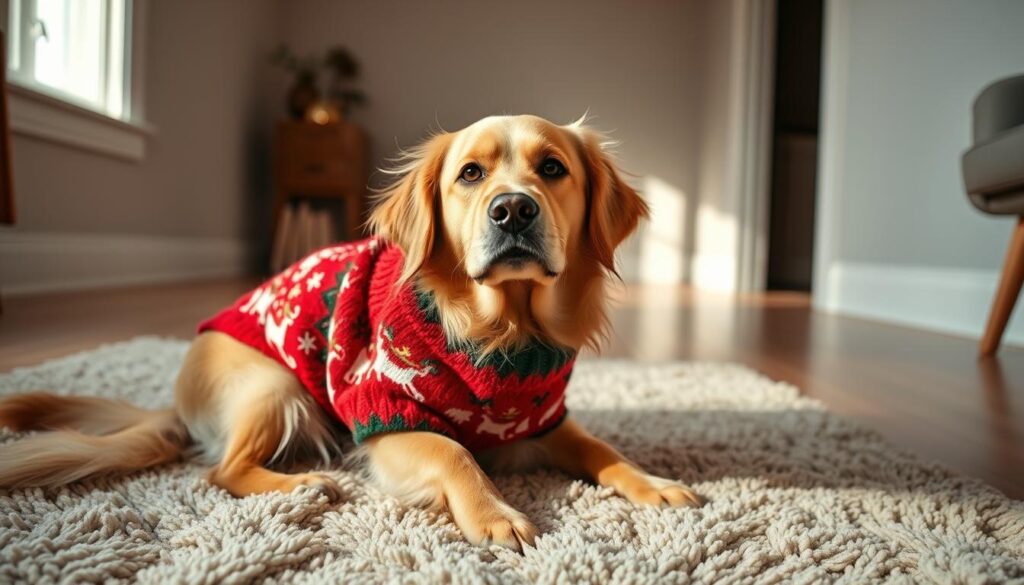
[(510, 225)]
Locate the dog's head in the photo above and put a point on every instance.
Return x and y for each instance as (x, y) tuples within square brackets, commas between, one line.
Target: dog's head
[(517, 206)]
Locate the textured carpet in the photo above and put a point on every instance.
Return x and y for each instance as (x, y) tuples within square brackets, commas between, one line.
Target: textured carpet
[(796, 494)]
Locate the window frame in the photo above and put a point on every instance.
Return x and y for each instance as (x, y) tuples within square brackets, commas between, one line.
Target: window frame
[(47, 113)]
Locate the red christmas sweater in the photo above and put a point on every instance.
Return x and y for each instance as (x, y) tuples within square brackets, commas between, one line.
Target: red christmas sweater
[(376, 356)]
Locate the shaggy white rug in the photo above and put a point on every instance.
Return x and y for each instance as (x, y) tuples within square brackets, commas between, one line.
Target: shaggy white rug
[(796, 494)]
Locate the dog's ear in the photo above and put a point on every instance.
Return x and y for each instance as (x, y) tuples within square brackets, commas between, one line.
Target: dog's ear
[(405, 212), (614, 208)]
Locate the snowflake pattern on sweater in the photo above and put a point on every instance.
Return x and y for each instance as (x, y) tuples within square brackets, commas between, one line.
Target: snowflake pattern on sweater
[(375, 356)]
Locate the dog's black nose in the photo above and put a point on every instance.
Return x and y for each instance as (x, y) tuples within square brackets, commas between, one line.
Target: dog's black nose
[(513, 212)]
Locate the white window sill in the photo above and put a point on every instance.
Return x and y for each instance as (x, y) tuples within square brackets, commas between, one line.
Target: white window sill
[(34, 113)]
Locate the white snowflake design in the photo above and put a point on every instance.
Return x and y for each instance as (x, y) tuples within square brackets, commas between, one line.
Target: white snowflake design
[(314, 281), (307, 343)]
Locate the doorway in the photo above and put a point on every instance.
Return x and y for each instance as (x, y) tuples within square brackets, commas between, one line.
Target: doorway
[(797, 91)]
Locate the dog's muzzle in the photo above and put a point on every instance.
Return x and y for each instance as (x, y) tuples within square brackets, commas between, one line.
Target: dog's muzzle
[(516, 236)]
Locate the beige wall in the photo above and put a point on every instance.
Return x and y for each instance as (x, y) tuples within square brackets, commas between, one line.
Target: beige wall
[(712, 223), (205, 168), (634, 66)]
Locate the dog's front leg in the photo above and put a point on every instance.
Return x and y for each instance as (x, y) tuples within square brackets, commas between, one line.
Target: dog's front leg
[(428, 468), (579, 453)]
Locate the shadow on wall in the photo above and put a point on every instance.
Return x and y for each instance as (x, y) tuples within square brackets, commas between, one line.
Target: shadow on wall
[(659, 251), (663, 250)]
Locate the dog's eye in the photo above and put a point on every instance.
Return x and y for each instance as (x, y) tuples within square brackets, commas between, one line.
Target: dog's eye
[(552, 167), (471, 173)]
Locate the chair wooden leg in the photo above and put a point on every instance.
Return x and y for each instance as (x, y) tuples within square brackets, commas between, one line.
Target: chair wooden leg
[(1006, 295)]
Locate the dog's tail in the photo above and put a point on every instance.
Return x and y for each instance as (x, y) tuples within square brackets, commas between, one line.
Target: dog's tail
[(84, 437)]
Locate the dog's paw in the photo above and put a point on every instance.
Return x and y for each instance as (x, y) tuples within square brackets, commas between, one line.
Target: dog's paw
[(319, 482), (499, 524), (658, 491)]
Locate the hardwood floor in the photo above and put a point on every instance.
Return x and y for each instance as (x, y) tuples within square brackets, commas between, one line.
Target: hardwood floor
[(925, 392)]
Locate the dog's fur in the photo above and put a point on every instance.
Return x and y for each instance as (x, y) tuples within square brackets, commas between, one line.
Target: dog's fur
[(244, 411)]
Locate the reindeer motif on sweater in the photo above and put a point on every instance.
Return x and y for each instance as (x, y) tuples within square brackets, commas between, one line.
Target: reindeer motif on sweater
[(391, 363)]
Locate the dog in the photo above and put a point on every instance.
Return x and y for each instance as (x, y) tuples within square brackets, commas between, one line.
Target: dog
[(444, 340)]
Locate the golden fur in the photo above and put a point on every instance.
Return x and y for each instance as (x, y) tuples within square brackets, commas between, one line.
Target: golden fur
[(439, 221)]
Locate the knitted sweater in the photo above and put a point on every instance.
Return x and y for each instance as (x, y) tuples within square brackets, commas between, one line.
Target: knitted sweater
[(376, 357)]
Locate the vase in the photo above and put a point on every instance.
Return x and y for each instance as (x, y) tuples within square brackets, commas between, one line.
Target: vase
[(323, 112), (302, 95)]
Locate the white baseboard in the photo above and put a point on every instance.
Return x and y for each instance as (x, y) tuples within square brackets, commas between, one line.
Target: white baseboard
[(948, 300), (32, 262)]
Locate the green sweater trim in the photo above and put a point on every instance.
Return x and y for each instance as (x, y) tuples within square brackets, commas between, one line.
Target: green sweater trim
[(536, 358), (375, 426)]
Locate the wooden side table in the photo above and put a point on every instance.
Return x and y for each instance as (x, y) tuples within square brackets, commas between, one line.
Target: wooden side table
[(326, 163)]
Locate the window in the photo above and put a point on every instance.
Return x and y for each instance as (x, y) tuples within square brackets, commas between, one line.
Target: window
[(75, 72), (75, 50)]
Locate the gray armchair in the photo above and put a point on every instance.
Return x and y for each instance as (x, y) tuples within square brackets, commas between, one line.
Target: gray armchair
[(994, 177)]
